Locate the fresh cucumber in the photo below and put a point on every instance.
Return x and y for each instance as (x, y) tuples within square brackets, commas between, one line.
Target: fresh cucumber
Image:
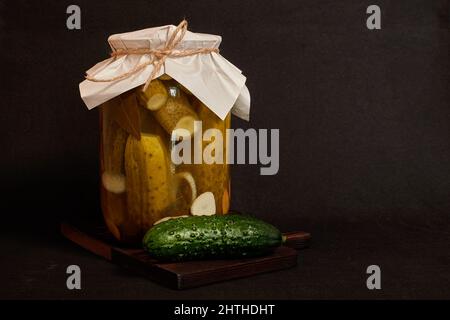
[(217, 236)]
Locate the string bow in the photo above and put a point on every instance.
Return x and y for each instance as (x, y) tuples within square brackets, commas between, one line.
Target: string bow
[(159, 56)]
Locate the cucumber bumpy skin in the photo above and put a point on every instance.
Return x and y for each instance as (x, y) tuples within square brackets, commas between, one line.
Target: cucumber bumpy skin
[(211, 237)]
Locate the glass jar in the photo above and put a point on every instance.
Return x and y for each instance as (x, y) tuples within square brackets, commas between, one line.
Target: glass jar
[(140, 183)]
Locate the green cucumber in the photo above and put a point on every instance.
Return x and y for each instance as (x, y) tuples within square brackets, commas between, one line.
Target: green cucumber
[(211, 237)]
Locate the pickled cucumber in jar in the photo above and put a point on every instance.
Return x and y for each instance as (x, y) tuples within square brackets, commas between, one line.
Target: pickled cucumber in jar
[(140, 185)]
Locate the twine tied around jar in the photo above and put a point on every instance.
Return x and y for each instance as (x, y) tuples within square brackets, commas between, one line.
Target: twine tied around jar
[(159, 56)]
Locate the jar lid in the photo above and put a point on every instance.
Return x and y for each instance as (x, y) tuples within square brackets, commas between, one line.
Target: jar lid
[(209, 76)]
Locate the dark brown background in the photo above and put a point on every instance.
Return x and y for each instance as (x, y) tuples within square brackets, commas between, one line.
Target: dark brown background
[(364, 155)]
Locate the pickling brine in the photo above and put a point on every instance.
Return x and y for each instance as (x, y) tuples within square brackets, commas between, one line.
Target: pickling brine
[(140, 184)]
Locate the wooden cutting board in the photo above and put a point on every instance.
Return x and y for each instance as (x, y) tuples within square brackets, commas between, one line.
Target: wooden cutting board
[(183, 275)]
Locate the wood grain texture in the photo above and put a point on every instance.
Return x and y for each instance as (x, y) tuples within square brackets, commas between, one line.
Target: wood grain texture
[(297, 239), (183, 275)]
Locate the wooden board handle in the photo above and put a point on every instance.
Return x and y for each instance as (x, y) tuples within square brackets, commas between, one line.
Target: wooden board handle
[(297, 239)]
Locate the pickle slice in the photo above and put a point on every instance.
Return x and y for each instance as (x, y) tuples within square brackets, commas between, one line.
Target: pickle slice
[(113, 182), (155, 96), (204, 205), (169, 218)]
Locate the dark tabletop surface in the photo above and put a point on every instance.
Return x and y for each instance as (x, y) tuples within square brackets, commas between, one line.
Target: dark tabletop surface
[(413, 257)]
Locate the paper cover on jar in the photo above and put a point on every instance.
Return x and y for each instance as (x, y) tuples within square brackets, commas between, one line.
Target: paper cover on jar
[(209, 76)]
